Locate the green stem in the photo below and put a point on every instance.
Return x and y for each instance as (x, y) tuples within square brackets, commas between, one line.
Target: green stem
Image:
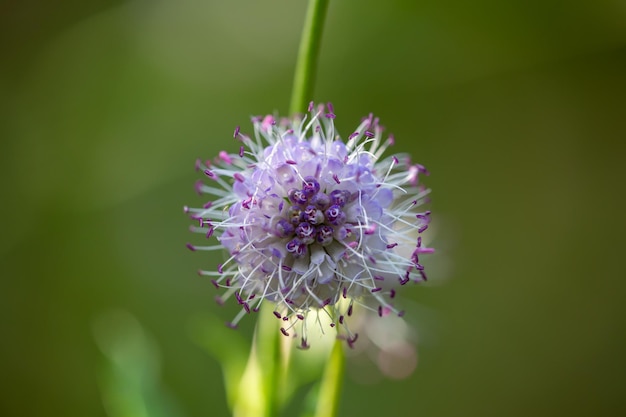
[(304, 77), (330, 388), (269, 358)]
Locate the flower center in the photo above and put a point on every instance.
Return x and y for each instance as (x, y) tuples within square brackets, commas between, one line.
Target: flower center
[(313, 217)]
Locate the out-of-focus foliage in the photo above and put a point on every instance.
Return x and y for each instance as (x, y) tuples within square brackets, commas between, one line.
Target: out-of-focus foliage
[(517, 108)]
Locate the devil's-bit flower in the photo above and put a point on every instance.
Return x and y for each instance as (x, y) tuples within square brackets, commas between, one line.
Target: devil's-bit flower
[(313, 224)]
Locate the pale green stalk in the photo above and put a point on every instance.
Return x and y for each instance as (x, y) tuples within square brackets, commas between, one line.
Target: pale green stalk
[(306, 64), (330, 386), (258, 394)]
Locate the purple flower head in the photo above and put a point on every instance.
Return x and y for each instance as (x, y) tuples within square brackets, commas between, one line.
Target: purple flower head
[(313, 223)]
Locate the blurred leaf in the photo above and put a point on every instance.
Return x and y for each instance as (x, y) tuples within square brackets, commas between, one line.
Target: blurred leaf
[(228, 347), (129, 374)]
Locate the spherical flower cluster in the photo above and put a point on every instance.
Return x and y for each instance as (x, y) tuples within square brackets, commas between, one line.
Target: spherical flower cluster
[(313, 224)]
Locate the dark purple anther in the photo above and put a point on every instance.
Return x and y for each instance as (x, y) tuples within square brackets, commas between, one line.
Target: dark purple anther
[(321, 201), (219, 268), (297, 197), (377, 289), (291, 162), (239, 177), (344, 292), (325, 236), (340, 319), (392, 245), (415, 257), (236, 132), (310, 186), (422, 228), (246, 307), (369, 134), (353, 135), (339, 197), (300, 316), (423, 274), (392, 293), (380, 311), (303, 344), (209, 173), (241, 150), (238, 297), (277, 314), (330, 107), (283, 331), (283, 228), (285, 318), (336, 178), (306, 233), (351, 340), (231, 325), (190, 247), (294, 215), (312, 215), (422, 169), (215, 284), (379, 278), (310, 109), (326, 302), (349, 312)]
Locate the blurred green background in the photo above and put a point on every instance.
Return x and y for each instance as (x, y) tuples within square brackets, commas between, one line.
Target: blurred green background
[(518, 108)]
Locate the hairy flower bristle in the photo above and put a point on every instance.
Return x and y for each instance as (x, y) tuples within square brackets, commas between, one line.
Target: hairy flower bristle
[(313, 224)]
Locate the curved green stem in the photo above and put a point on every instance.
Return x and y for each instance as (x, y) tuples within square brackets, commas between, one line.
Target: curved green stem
[(330, 388), (268, 338), (304, 77)]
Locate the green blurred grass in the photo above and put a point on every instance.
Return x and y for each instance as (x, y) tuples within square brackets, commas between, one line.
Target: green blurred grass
[(516, 108)]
